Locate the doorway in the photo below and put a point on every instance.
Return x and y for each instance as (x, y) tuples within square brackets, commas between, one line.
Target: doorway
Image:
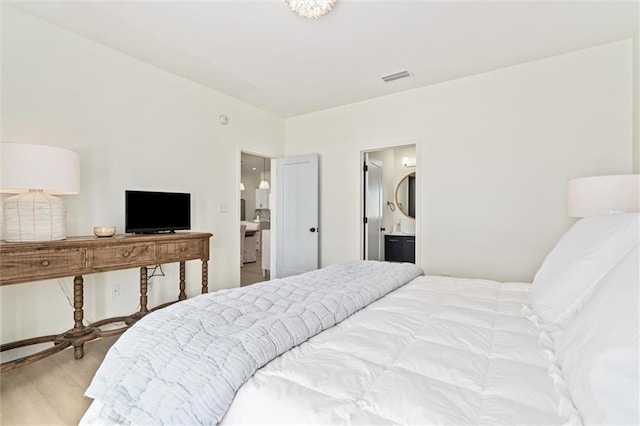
[(389, 204), (278, 211), (255, 218)]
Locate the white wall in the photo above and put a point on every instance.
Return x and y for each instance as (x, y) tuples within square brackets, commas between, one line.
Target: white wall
[(135, 127), (496, 151)]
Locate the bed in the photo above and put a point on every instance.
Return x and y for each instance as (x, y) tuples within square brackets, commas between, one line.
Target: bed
[(407, 349)]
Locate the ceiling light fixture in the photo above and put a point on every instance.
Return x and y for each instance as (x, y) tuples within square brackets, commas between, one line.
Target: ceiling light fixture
[(264, 184), (407, 163), (311, 9)]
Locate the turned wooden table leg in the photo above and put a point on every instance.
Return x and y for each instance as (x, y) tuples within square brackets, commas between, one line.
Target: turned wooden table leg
[(78, 313), (79, 334), (205, 277), (183, 294), (144, 279)]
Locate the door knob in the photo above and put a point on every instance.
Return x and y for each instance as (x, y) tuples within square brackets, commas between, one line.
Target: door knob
[(383, 229), (312, 230)]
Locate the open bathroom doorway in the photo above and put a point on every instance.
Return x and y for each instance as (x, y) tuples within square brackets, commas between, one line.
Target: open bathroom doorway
[(389, 204)]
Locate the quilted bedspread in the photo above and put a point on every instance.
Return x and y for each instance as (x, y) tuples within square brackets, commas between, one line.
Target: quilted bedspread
[(183, 364)]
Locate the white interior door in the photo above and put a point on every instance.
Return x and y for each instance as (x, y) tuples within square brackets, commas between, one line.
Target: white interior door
[(296, 215), (373, 209)]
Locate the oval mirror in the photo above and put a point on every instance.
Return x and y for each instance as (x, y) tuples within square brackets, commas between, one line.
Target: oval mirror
[(406, 195)]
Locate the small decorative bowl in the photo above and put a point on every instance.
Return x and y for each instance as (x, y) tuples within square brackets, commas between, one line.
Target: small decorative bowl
[(104, 231)]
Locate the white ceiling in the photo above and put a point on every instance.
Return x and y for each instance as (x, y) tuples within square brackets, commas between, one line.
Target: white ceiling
[(261, 53), (254, 164)]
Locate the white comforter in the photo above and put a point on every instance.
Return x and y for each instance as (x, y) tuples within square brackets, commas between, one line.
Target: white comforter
[(436, 351)]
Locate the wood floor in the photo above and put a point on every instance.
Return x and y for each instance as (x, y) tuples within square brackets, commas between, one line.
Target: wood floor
[(251, 273), (51, 391)]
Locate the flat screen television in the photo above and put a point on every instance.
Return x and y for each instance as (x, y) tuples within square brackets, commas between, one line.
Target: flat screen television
[(154, 212)]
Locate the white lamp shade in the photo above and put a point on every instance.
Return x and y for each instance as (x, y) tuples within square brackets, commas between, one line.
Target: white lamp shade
[(35, 172), (51, 169), (602, 194), (263, 184)]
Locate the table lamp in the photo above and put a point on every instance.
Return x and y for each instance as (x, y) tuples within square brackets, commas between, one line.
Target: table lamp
[(37, 173), (589, 196)]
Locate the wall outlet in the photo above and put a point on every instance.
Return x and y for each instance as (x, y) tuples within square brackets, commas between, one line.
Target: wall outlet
[(115, 290)]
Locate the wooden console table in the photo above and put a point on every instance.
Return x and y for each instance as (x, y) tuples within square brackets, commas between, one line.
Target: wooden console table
[(78, 256)]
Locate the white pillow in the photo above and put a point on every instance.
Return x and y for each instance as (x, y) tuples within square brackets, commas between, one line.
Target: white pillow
[(598, 350), (579, 260)]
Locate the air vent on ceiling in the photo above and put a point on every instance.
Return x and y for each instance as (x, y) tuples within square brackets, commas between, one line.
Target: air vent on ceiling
[(396, 76)]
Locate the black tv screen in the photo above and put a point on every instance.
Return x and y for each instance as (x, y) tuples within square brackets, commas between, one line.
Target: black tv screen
[(151, 212)]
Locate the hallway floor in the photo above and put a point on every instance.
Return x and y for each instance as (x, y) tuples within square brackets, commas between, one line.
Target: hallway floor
[(251, 273)]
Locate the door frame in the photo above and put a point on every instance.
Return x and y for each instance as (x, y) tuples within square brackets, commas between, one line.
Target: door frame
[(272, 199), (413, 142)]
